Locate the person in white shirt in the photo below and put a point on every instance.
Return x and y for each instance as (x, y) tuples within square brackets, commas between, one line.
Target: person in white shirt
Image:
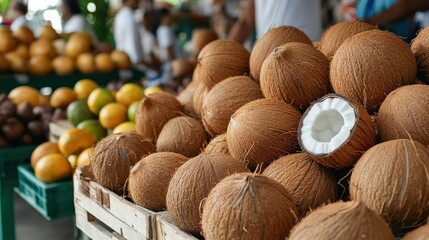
[(74, 20), (168, 49), (19, 12)]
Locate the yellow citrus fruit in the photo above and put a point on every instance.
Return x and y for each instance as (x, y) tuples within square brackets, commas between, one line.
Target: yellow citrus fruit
[(99, 98), (84, 157), (24, 94), (74, 141), (52, 167), (151, 90), (112, 115), (129, 93), (84, 87), (62, 97), (73, 161), (125, 127), (43, 150)]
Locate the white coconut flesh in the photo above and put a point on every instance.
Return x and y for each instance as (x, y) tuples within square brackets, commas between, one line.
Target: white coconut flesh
[(327, 125)]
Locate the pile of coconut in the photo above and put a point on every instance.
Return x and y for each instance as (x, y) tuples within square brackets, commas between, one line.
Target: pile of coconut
[(288, 141)]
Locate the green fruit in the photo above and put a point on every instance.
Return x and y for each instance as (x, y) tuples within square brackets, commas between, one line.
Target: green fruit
[(132, 111), (94, 127), (78, 111)]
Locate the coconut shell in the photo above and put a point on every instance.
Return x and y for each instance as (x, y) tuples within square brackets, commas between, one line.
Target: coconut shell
[(248, 206), (420, 48), (217, 145), (274, 38), (150, 177), (154, 111), (224, 99), (391, 178), (202, 37), (404, 114), (421, 233), (114, 155), (183, 135), (192, 183), (198, 98), (371, 64), (186, 98), (262, 131), (221, 59), (310, 184), (296, 73), (362, 137), (342, 220), (334, 36)]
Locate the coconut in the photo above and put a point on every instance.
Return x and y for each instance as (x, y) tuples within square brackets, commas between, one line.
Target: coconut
[(85, 63), (248, 206), (192, 183), (4, 64), (104, 63), (121, 59), (181, 67), (371, 64), (186, 97), (114, 155), (404, 114), (296, 73), (262, 130), (39, 65), (200, 93), (420, 233), (17, 63), (336, 131), (217, 145), (8, 42), (48, 32), (274, 38), (149, 179), (202, 37), (43, 47), (63, 65), (24, 35), (184, 135), (342, 220), (224, 99), (310, 184), (154, 111), (221, 59), (420, 48), (392, 179), (335, 36)]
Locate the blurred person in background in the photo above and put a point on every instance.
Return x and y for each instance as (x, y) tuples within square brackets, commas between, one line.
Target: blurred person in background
[(19, 11), (74, 21), (167, 43)]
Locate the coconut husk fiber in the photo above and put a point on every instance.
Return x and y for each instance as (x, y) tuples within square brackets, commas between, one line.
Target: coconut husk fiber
[(217, 145), (274, 38), (192, 183), (248, 206), (342, 220), (296, 73), (186, 98), (200, 93), (420, 233), (392, 179), (224, 99), (309, 183), (371, 64), (420, 49)]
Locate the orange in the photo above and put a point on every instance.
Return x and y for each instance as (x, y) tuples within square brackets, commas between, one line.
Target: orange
[(84, 157), (99, 98), (62, 97), (52, 167), (43, 150), (72, 159), (112, 115), (125, 127), (151, 90), (129, 93), (74, 141), (84, 87), (25, 94)]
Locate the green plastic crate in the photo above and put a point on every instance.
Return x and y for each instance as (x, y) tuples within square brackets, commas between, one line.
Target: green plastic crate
[(53, 200), (10, 158)]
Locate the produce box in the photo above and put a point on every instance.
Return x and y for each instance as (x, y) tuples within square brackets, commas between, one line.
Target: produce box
[(57, 128), (11, 157), (166, 230), (53, 200), (102, 214)]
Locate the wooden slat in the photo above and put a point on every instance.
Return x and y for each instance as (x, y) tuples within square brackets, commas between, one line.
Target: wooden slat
[(166, 230)]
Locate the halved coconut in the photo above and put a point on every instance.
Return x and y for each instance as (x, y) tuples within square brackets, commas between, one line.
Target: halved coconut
[(336, 130)]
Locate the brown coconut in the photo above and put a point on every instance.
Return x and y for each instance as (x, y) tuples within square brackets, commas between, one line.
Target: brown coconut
[(192, 183), (217, 145), (183, 135), (150, 177), (24, 35), (296, 73), (181, 67), (392, 179), (371, 64), (334, 36), (39, 65), (224, 99), (43, 47), (262, 131), (221, 59), (186, 97), (421, 233), (248, 206), (198, 97), (361, 136), (342, 220), (63, 65), (404, 114), (274, 38), (202, 37), (309, 183), (114, 155), (154, 111), (420, 48)]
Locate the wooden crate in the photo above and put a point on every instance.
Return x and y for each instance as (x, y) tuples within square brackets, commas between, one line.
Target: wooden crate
[(57, 128), (102, 214), (166, 230)]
